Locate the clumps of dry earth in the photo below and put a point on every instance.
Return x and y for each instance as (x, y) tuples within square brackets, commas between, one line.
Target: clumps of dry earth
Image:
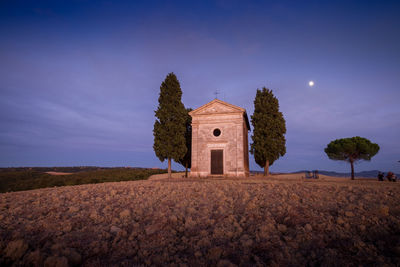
[(197, 222)]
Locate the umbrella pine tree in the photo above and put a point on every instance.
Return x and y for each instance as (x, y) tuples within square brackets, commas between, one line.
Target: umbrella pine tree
[(351, 150)]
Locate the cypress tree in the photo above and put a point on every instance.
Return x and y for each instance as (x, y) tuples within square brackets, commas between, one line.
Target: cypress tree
[(169, 127), (269, 128), (186, 161)]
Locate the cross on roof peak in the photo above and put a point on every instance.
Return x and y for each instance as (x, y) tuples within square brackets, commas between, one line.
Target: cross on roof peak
[(216, 93)]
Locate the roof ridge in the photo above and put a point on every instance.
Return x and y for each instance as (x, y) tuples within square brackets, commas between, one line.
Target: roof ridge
[(217, 101)]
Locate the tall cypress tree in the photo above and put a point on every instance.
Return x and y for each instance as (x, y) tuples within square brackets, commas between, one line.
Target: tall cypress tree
[(169, 127), (269, 127)]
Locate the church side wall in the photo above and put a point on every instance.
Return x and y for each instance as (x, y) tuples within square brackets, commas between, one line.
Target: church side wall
[(246, 149), (195, 132)]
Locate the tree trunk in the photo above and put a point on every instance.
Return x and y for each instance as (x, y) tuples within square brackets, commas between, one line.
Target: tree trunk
[(186, 167), (352, 169), (169, 168), (266, 168)]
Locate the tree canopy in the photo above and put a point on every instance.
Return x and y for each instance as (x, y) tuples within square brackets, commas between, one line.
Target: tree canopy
[(269, 129), (169, 127), (351, 150), (186, 161)]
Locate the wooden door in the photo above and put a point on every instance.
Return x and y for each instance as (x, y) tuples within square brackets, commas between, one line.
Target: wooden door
[(217, 162)]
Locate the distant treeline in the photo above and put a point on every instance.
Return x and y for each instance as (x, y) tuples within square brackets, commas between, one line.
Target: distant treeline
[(18, 179)]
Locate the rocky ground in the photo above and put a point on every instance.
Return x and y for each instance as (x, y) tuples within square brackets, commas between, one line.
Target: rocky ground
[(278, 221)]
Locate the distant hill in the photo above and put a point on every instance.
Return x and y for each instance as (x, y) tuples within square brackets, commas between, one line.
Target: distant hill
[(18, 179), (367, 174), (75, 169)]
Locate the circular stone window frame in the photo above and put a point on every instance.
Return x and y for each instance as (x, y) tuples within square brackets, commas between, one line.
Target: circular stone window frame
[(217, 132)]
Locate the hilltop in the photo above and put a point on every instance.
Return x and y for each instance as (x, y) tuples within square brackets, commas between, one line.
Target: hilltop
[(279, 221)]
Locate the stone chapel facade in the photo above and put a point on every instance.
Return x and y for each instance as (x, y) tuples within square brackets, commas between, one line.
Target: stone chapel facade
[(219, 140)]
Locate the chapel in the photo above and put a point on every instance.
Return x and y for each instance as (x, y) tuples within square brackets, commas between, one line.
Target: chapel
[(219, 140)]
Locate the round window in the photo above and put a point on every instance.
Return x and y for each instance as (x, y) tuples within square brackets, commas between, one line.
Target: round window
[(217, 132)]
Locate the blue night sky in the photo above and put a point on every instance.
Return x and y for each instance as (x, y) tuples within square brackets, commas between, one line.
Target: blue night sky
[(79, 80)]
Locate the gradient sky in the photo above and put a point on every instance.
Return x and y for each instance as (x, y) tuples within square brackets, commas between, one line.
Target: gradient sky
[(79, 80)]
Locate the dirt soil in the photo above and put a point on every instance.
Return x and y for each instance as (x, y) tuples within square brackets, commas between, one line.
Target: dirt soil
[(277, 221)]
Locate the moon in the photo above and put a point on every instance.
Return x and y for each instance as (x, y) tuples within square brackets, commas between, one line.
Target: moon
[(311, 83)]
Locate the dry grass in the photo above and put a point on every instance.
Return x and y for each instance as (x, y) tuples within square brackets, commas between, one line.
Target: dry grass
[(59, 173)]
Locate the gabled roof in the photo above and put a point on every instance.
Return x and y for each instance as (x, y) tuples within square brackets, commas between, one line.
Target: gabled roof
[(219, 106)]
